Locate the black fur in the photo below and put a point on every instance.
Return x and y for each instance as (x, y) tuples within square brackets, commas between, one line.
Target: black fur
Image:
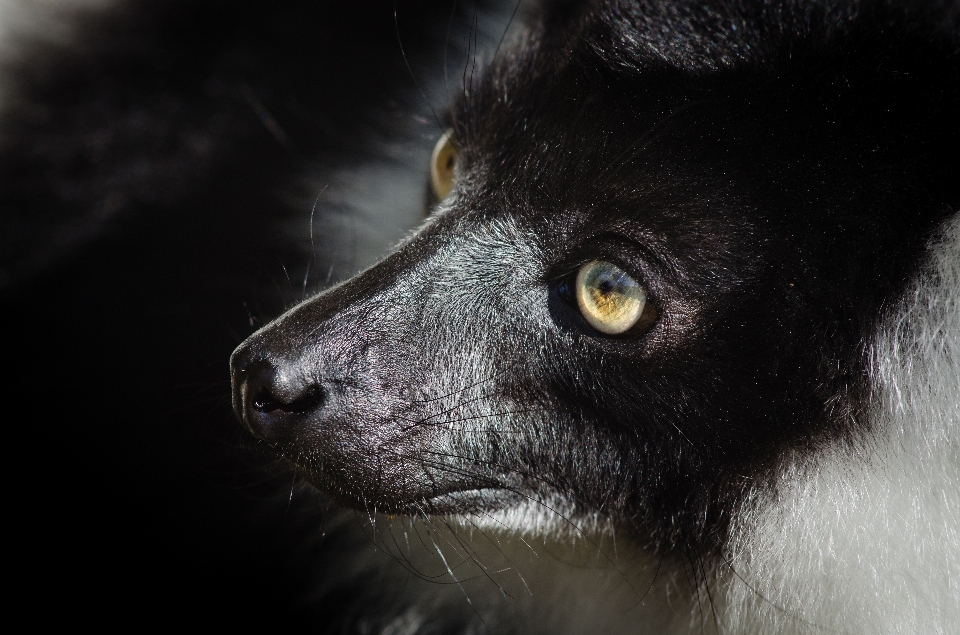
[(770, 172)]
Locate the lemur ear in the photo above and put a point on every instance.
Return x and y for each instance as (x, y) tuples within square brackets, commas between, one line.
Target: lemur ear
[(443, 163)]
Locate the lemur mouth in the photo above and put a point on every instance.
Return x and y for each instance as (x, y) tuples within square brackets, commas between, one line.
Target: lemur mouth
[(482, 495), (458, 499), (480, 500)]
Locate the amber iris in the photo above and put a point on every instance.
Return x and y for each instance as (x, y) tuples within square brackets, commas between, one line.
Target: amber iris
[(443, 162), (608, 298)]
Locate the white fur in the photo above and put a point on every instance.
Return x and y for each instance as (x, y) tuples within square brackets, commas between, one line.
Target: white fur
[(504, 581), (862, 538), (866, 538)]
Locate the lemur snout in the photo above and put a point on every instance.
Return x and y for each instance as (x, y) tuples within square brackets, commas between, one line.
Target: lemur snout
[(269, 396)]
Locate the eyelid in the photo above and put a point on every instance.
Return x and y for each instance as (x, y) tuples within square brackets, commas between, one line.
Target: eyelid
[(632, 251)]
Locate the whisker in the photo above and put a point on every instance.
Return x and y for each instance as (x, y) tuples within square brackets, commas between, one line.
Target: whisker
[(568, 521), (496, 544), (506, 29), (493, 415), (655, 132), (464, 591), (408, 566), (406, 61), (706, 587), (446, 48), (479, 382), (293, 482), (652, 582), (473, 558)]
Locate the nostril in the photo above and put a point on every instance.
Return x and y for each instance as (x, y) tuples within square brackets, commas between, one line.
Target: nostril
[(266, 402), (273, 396)]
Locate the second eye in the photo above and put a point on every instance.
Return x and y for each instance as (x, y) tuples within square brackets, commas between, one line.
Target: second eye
[(443, 162)]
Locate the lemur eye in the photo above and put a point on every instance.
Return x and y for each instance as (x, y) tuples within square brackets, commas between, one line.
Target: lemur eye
[(610, 300), (442, 165)]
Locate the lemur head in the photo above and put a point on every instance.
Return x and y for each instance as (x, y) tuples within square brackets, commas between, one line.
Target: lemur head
[(655, 272)]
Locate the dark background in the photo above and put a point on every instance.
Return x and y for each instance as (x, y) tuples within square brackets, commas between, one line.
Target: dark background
[(148, 186)]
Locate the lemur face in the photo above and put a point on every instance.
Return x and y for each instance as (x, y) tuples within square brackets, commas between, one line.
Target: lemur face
[(643, 286)]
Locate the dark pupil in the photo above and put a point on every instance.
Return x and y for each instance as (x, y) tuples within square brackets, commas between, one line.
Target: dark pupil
[(605, 287)]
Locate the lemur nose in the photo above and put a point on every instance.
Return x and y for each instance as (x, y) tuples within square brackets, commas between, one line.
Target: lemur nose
[(271, 397)]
